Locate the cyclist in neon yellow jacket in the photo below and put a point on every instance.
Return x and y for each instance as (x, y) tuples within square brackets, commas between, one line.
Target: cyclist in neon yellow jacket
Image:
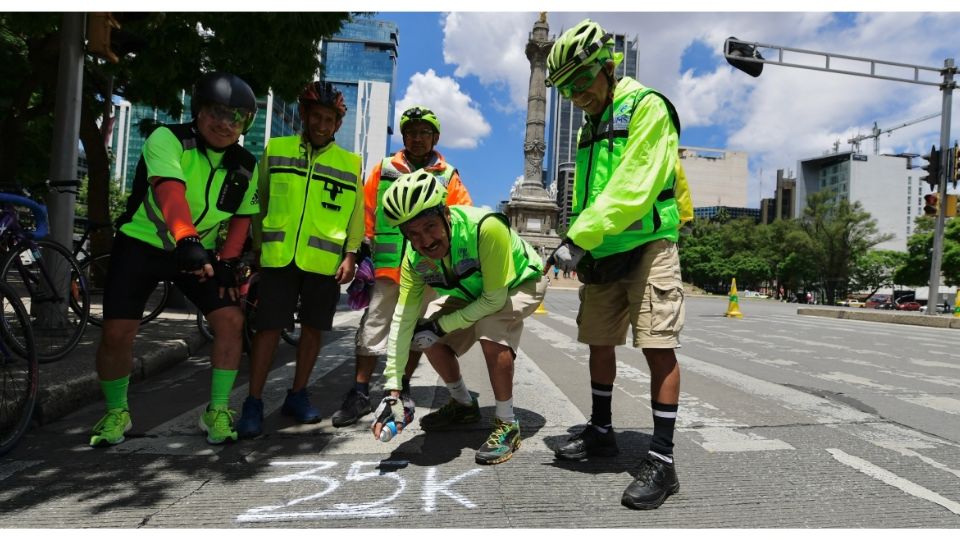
[(488, 279), (622, 239)]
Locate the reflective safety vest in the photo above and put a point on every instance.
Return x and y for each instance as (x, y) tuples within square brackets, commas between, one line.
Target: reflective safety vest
[(465, 267), (312, 195), (213, 194), (388, 242), (598, 156)]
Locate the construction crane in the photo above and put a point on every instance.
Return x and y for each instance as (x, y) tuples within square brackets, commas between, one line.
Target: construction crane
[(876, 132)]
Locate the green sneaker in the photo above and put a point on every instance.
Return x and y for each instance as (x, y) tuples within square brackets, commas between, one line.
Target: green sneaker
[(111, 428), (501, 444), (452, 413), (217, 423)]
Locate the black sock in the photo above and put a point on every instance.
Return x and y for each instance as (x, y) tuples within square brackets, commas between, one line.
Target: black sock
[(404, 385), (664, 418), (602, 395), (363, 388)]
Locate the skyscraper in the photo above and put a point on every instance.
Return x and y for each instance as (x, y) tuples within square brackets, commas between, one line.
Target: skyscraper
[(361, 61), (564, 121)]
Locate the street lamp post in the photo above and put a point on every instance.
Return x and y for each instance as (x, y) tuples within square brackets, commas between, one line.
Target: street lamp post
[(745, 56)]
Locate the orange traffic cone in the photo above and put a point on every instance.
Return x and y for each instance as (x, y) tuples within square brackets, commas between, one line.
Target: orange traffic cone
[(956, 306), (733, 308)]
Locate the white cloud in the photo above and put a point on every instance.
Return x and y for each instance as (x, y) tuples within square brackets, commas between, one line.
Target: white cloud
[(462, 124), (786, 114)]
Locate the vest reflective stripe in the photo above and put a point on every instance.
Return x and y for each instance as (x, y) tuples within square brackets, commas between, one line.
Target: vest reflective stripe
[(467, 280), (312, 197), (598, 156), (388, 242), (156, 218)]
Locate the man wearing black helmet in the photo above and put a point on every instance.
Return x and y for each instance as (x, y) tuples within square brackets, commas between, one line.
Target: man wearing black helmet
[(308, 237), (191, 178)]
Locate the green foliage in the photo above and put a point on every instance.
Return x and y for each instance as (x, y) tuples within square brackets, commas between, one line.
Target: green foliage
[(875, 269), (915, 269)]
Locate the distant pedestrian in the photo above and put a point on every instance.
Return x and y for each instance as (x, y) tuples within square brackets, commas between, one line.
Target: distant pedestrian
[(556, 272)]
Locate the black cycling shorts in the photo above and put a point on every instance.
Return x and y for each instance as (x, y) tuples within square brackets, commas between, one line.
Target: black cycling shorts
[(135, 269), (279, 290)]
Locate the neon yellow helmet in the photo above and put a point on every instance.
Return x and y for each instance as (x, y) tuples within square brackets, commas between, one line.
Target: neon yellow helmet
[(419, 113), (583, 44), (411, 195)]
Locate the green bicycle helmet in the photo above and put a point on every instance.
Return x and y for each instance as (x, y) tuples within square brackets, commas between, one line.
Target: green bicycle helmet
[(419, 113), (583, 44), (412, 195)]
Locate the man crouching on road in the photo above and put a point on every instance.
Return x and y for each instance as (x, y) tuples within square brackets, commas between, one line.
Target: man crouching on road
[(488, 279)]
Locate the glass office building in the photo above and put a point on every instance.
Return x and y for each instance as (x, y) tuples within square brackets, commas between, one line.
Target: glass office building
[(361, 61), (563, 122)]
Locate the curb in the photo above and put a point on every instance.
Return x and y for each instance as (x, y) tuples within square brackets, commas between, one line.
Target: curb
[(58, 400), (930, 321)]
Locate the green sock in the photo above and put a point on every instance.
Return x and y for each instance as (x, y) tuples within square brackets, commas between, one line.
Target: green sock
[(220, 386), (115, 392)]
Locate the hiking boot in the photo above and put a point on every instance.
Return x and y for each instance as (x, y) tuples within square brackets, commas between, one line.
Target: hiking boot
[(355, 405), (452, 413), (589, 442), (298, 406), (655, 481), (111, 428), (251, 418), (501, 444), (217, 423)]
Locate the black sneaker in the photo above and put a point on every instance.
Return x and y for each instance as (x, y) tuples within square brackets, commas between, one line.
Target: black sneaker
[(655, 481), (589, 442), (452, 413), (501, 444), (355, 405)]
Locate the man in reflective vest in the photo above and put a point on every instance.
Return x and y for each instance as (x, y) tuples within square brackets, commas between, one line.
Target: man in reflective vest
[(622, 238), (420, 128), (191, 178), (308, 237), (488, 279)]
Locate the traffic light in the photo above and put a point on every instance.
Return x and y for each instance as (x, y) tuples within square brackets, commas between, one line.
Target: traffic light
[(99, 27), (933, 168), (956, 165), (735, 51), (931, 204), (950, 206)]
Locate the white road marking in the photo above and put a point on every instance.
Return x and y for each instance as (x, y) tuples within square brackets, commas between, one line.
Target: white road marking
[(887, 477)]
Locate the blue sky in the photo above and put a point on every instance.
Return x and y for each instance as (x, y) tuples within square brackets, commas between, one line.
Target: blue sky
[(470, 68)]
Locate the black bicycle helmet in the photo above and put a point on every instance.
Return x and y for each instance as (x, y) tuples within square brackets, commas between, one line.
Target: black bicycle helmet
[(226, 89)]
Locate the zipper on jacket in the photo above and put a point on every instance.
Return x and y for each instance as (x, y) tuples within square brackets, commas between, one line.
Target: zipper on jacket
[(303, 211)]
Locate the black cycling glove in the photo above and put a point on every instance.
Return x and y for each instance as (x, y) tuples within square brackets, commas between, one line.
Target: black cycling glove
[(190, 254)]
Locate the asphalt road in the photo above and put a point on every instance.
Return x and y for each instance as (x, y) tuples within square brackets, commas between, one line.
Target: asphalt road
[(785, 422)]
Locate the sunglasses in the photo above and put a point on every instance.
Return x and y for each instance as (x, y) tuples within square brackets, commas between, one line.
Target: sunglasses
[(579, 81), (237, 118)]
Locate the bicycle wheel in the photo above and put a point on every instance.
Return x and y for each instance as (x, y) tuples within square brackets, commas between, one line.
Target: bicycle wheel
[(58, 312), (19, 382), (93, 272), (292, 335), (207, 331)]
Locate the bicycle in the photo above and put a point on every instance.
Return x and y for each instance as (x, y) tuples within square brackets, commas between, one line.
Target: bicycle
[(32, 265), (248, 289), (19, 373), (93, 272)]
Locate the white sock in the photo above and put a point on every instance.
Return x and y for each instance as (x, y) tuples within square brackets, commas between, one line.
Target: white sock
[(459, 392), (505, 411), (661, 457)]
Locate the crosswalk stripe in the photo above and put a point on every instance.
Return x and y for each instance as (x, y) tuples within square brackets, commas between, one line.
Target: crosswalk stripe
[(709, 427)]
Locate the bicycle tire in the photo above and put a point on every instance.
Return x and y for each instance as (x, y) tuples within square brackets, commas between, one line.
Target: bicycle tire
[(57, 330), (94, 273), (19, 375), (207, 331)]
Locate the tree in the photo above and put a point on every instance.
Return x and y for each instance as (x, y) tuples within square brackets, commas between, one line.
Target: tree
[(161, 55), (840, 233), (915, 269), (875, 269)]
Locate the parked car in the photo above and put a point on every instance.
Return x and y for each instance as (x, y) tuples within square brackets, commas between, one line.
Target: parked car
[(855, 303), (908, 306), (941, 308), (874, 302)]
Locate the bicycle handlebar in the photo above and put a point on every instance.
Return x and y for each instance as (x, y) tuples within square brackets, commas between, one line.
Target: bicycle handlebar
[(38, 210)]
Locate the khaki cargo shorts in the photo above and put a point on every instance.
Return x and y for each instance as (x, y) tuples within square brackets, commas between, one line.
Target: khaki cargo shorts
[(503, 327), (371, 339), (649, 300)]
